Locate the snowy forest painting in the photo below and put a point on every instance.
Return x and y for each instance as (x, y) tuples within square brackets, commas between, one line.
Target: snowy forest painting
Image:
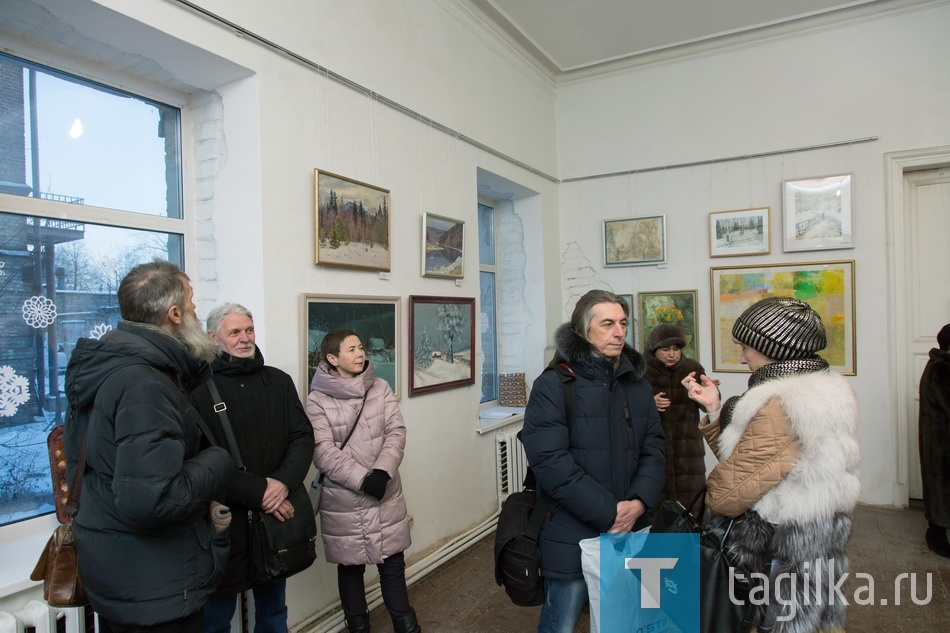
[(374, 319), (441, 343), (352, 223)]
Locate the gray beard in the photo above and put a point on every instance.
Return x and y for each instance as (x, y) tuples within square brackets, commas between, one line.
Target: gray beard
[(196, 341)]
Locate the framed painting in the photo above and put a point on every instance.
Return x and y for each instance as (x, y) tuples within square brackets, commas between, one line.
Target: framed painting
[(740, 232), (673, 307), (817, 214), (352, 223), (443, 246), (374, 319), (441, 343), (828, 287), (635, 241), (631, 321)]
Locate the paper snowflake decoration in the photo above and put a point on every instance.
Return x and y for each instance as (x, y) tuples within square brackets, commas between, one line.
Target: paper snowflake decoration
[(39, 312), (1, 269), (14, 391), (486, 324), (98, 331)]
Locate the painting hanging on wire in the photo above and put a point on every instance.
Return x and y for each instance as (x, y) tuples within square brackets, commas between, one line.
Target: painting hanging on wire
[(441, 343), (351, 223)]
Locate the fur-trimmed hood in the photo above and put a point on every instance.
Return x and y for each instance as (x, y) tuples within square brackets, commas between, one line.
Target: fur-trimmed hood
[(573, 349)]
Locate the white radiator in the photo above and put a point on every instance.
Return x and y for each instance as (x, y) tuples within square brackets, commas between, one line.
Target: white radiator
[(39, 617), (511, 462)]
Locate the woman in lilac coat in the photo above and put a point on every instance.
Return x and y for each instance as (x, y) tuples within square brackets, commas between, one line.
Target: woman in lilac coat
[(362, 511)]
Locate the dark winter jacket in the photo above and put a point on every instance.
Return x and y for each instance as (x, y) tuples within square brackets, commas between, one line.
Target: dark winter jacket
[(609, 458), (934, 437), (147, 550), (273, 435), (685, 447)]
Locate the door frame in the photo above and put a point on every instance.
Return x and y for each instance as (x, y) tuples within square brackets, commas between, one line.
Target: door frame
[(895, 164)]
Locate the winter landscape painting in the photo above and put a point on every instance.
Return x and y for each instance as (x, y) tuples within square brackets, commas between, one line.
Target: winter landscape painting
[(374, 319), (818, 214), (443, 242), (441, 343), (352, 223)]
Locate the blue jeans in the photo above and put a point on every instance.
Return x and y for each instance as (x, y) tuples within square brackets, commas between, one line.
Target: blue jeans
[(563, 602), (270, 609)]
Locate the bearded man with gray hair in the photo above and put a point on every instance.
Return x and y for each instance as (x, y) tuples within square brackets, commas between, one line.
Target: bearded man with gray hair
[(149, 554)]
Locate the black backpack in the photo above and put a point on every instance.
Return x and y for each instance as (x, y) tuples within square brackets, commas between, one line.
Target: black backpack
[(517, 558)]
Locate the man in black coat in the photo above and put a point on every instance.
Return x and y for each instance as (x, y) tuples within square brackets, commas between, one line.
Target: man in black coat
[(149, 554), (607, 472), (275, 441), (934, 443)]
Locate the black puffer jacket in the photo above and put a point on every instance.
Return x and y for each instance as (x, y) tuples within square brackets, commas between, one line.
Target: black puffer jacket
[(147, 550), (273, 435), (685, 446), (610, 457)]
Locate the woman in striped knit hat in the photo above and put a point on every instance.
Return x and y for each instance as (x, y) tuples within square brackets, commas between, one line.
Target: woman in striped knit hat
[(787, 477)]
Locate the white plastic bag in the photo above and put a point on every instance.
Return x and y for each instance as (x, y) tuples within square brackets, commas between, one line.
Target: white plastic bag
[(621, 582)]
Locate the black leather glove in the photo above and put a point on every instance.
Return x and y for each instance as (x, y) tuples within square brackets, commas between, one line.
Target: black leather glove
[(375, 484)]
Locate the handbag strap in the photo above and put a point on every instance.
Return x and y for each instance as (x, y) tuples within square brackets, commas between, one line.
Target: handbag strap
[(221, 409), (75, 488), (323, 475)]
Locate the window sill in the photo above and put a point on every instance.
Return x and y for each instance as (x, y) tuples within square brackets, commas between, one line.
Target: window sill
[(497, 417), (19, 556)]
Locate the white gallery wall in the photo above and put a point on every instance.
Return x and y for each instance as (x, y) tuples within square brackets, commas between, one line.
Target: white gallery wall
[(883, 77)]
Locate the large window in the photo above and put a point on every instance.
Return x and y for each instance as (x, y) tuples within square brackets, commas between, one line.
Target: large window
[(90, 185), (487, 303)]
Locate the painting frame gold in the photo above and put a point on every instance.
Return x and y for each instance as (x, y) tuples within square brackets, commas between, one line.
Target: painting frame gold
[(827, 286), (352, 223)]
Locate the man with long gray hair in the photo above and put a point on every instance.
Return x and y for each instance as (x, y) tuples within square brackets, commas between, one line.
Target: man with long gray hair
[(605, 468), (149, 554)]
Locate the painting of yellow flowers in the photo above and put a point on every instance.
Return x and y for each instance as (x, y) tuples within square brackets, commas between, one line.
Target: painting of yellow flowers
[(677, 307), (828, 287)]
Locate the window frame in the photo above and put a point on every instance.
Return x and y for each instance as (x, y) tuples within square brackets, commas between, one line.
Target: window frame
[(184, 226), (493, 270)]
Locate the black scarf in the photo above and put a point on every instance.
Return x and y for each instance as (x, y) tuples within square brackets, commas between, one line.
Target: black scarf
[(778, 369)]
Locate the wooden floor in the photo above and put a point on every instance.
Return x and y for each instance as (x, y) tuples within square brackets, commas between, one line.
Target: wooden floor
[(461, 596)]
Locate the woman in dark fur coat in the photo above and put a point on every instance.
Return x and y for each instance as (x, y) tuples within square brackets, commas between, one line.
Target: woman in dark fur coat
[(679, 415), (788, 469)]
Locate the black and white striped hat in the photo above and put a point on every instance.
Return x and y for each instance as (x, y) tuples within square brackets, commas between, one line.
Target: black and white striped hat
[(781, 328)]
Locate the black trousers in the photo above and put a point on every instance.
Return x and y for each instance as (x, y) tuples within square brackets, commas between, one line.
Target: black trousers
[(392, 582)]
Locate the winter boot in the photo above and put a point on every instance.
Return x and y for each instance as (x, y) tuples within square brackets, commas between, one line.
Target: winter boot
[(359, 624), (937, 540), (407, 623)]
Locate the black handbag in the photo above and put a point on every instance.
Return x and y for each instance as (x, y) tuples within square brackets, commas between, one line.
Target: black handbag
[(722, 609), (278, 549)]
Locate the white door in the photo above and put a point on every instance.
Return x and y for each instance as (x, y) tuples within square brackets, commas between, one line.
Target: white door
[(927, 275)]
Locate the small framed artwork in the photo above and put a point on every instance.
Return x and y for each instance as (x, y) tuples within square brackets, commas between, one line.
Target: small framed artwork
[(441, 343), (817, 214), (740, 232), (351, 223), (374, 319), (631, 321), (443, 244), (635, 241), (828, 287), (673, 307)]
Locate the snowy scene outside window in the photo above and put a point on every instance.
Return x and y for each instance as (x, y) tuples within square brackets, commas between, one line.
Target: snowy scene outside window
[(71, 151)]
